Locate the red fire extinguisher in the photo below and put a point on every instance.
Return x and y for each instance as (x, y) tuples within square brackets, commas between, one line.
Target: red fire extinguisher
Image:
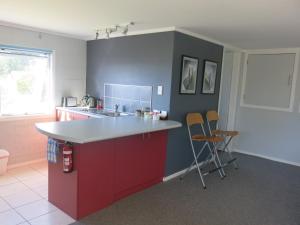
[(68, 158)]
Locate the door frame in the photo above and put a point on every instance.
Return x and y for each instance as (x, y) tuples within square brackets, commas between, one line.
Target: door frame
[(237, 55)]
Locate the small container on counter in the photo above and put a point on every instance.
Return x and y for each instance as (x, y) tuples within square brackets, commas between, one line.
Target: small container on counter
[(163, 115), (156, 116), (148, 115), (138, 112), (99, 104)]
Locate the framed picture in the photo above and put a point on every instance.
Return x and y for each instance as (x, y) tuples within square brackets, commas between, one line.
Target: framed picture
[(209, 77), (189, 72)]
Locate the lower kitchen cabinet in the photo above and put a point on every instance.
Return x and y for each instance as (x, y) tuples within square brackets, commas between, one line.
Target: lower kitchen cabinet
[(153, 152), (128, 162), (106, 171), (139, 162)]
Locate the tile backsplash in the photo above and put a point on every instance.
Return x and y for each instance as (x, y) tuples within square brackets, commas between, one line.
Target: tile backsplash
[(128, 97)]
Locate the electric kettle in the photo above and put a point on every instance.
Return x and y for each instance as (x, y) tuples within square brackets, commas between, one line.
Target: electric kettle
[(88, 101)]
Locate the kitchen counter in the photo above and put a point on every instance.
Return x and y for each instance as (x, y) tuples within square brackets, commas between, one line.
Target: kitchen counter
[(83, 111), (85, 131), (113, 157)]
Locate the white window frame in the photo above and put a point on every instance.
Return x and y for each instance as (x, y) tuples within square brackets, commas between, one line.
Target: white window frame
[(51, 82), (295, 51)]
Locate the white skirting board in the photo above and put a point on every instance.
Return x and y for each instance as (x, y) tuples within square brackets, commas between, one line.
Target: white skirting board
[(25, 163), (267, 157), (179, 173)]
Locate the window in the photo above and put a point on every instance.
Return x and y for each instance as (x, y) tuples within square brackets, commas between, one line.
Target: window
[(24, 81), (269, 80)]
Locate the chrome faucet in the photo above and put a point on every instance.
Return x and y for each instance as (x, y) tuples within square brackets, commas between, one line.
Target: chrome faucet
[(116, 108)]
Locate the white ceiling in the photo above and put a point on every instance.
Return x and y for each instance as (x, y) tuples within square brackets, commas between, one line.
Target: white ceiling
[(245, 24)]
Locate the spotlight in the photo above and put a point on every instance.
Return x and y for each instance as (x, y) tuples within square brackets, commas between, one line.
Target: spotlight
[(125, 31), (97, 34)]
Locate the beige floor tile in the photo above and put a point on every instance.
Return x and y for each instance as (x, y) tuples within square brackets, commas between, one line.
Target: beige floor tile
[(10, 218), (54, 218), (39, 165), (42, 191), (22, 198), (44, 172), (22, 173), (14, 188), (35, 181), (7, 179), (4, 206), (35, 209)]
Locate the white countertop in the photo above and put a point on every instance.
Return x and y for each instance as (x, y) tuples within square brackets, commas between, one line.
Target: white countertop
[(79, 110), (90, 130)]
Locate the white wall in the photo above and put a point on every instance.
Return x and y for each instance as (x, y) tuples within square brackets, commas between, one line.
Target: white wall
[(268, 133), (69, 58), (224, 98), (19, 136)]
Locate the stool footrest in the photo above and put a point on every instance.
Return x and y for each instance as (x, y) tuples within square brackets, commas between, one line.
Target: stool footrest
[(229, 162), (232, 160), (212, 170)]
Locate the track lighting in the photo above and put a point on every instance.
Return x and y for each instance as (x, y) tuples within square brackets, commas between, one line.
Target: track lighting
[(125, 30), (119, 28), (97, 34)]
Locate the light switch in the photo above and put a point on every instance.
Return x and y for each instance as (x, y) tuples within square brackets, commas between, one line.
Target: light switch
[(159, 90)]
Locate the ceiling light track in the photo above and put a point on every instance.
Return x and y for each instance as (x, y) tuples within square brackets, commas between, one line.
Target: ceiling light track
[(118, 28)]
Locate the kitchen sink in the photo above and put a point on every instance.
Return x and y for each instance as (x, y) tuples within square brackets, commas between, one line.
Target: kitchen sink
[(114, 114), (102, 112)]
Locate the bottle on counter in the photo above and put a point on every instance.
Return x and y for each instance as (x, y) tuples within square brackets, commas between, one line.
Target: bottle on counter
[(138, 112), (156, 116), (99, 104)]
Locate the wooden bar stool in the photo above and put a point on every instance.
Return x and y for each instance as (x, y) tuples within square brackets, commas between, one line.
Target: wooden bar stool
[(193, 119), (212, 116)]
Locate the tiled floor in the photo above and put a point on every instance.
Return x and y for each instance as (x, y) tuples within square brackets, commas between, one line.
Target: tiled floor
[(23, 198)]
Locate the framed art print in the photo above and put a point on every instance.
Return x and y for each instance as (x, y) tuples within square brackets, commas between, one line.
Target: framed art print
[(189, 72), (209, 77)]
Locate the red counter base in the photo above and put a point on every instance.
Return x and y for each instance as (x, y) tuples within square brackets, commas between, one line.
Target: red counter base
[(107, 171)]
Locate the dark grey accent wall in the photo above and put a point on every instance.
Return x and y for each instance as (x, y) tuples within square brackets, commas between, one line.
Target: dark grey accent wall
[(179, 154), (135, 60), (155, 59)]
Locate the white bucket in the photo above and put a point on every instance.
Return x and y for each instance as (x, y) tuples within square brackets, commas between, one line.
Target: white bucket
[(3, 161)]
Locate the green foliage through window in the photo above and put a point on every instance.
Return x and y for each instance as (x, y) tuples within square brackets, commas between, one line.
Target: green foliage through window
[(24, 82)]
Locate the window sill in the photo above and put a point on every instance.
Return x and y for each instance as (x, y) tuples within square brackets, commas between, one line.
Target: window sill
[(26, 117)]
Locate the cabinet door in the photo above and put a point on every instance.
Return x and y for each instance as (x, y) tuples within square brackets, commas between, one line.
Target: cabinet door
[(269, 80), (139, 161), (127, 156), (154, 154), (95, 166)]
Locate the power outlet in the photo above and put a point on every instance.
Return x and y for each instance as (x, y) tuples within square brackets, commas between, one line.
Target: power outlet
[(159, 90)]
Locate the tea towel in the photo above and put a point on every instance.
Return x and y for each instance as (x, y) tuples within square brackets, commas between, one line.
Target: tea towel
[(52, 150)]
